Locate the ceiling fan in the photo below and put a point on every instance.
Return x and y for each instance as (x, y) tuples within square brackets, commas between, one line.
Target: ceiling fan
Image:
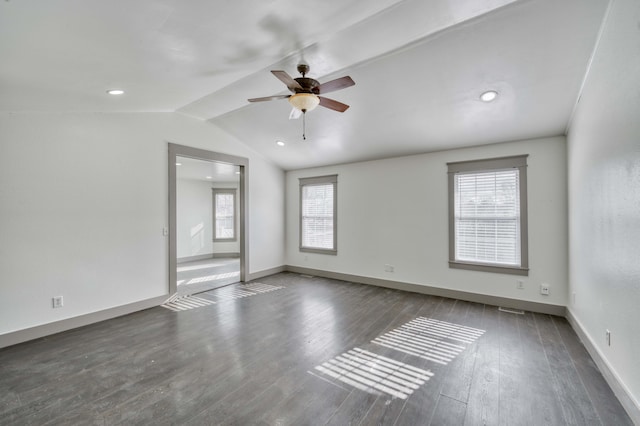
[(305, 92)]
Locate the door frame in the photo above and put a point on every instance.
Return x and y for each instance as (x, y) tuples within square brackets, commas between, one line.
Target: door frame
[(175, 151)]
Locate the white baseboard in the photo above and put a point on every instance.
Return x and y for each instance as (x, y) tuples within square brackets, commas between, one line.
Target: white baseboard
[(630, 404), (543, 308), (43, 330), (229, 255)]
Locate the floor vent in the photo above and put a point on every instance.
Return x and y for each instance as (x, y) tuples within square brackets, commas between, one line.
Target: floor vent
[(186, 303), (511, 311)]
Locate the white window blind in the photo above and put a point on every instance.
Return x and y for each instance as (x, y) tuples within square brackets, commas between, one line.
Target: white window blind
[(224, 205), (317, 210), (487, 217)]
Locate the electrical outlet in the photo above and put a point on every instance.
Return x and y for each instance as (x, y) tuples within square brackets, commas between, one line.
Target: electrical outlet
[(544, 289), (389, 268), (520, 285), (165, 231), (608, 337), (57, 302)]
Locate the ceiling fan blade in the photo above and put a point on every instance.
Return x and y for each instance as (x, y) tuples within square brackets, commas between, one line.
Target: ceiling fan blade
[(294, 114), (286, 79), (337, 84), (334, 105), (268, 98)]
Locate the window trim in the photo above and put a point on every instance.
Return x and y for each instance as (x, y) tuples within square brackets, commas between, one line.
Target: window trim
[(320, 180), (232, 191), (501, 163)]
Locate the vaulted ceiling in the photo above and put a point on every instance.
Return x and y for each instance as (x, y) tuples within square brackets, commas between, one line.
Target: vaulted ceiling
[(419, 67)]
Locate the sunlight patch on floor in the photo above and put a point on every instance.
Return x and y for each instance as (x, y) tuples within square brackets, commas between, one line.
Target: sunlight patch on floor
[(374, 373), (186, 303), (427, 338), (198, 267), (244, 290), (215, 277)]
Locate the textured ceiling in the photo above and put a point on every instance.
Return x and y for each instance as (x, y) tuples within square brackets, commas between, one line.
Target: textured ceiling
[(419, 67)]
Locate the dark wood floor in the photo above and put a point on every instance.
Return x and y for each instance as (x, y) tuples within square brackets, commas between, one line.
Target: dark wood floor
[(314, 352)]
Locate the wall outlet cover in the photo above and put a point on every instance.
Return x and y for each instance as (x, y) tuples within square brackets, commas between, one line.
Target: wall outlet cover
[(57, 302)]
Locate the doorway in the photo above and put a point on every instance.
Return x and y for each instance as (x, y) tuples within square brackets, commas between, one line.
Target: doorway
[(207, 220)]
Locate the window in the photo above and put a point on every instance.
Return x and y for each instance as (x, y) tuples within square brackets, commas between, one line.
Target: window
[(488, 215), (318, 207), (224, 215)]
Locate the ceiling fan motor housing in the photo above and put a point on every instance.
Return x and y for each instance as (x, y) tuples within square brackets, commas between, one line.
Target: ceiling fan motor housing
[(309, 85)]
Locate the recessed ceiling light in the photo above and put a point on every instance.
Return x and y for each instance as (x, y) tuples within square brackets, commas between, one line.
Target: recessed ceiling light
[(115, 92), (237, 173), (279, 143), (209, 177), (178, 164), (488, 96)]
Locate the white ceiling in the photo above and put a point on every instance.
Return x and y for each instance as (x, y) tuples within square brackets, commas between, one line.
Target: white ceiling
[(419, 67)]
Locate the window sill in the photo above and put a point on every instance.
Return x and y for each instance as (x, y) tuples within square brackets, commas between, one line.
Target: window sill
[(511, 270), (318, 250)]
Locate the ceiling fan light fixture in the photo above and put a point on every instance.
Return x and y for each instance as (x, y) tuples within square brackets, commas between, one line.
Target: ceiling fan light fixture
[(305, 102)]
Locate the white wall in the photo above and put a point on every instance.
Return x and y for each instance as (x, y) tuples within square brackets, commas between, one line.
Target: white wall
[(604, 197), (395, 211), (194, 217), (84, 199)]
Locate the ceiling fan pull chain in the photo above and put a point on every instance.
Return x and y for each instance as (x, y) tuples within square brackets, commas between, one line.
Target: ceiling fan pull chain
[(304, 127)]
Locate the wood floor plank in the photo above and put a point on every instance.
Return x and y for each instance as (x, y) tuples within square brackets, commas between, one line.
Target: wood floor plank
[(483, 406), (448, 412), (544, 406), (314, 402), (457, 382), (574, 400), (514, 382)]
